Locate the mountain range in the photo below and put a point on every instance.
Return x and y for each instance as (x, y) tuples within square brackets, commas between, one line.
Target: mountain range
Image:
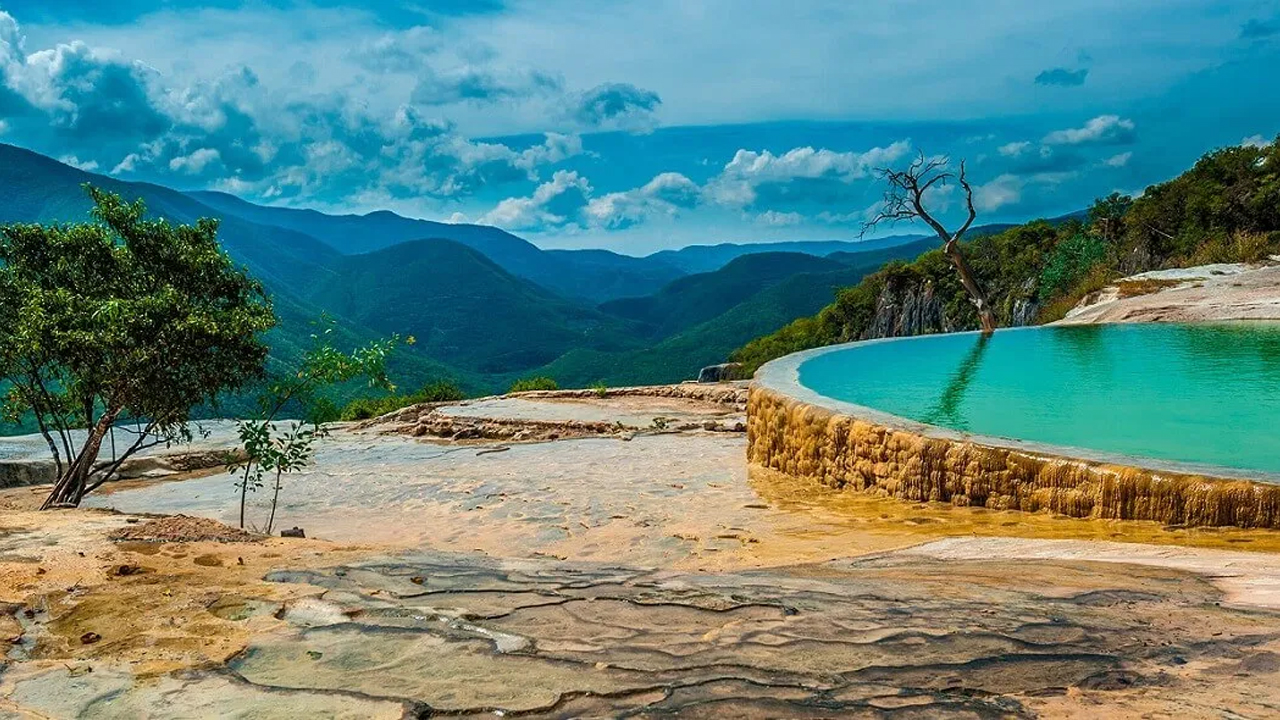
[(484, 305)]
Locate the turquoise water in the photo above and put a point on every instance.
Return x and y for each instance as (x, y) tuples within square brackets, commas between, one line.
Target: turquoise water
[(1188, 393)]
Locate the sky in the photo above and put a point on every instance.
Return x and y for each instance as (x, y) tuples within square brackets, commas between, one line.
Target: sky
[(639, 125)]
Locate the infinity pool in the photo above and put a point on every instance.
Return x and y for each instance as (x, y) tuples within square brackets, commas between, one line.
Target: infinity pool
[(1206, 394)]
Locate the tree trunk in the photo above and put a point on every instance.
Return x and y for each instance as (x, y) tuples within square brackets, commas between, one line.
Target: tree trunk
[(985, 316), (271, 521), (70, 488)]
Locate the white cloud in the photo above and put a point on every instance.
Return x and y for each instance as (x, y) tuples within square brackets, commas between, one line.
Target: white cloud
[(1119, 160), (664, 195), (1104, 129), (1007, 190), (1255, 141), (773, 218), (74, 162), (1004, 190), (196, 162), (1014, 149), (553, 204), (740, 182)]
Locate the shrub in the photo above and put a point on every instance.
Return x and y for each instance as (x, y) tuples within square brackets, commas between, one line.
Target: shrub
[(1070, 261), (1239, 247), (1097, 278), (534, 383), (367, 408)]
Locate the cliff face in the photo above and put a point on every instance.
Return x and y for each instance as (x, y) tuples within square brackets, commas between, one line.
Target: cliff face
[(913, 307), (907, 308)]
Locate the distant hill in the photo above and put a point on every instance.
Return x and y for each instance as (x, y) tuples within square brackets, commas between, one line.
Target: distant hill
[(694, 299), (679, 357), (595, 275), (709, 258), (463, 309)]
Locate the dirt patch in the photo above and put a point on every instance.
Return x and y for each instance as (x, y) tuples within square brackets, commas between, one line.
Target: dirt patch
[(182, 528)]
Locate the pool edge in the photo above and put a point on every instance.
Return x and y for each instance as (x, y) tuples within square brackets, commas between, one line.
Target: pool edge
[(794, 430)]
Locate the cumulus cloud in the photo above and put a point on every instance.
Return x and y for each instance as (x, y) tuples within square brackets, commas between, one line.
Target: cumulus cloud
[(616, 105), (196, 162), (1118, 160), (1007, 189), (1004, 190), (1062, 77), (1101, 130), (1014, 149), (773, 218), (553, 204), (75, 162), (1255, 141), (664, 195), (107, 111), (817, 174), (400, 52)]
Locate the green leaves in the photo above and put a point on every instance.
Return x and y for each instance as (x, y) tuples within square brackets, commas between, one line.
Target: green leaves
[(134, 314), (124, 315), (268, 448)]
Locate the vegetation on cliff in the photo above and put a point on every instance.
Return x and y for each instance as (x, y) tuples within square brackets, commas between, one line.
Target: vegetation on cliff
[(1224, 209)]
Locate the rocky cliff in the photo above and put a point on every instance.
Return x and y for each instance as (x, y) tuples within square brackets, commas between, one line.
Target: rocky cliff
[(912, 306)]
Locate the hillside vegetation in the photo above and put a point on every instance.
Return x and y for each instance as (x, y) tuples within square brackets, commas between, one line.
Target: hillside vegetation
[(678, 357), (1224, 209)]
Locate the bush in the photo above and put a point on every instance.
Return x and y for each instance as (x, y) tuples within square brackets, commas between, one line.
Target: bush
[(534, 383), (366, 408), (1071, 260), (1239, 247), (323, 410)]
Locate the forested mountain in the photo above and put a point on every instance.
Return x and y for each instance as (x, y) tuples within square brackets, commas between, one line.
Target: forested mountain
[(694, 299), (594, 275), (710, 342), (709, 258), (463, 309)]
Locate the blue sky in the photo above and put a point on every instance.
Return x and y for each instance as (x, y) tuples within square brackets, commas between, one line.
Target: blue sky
[(638, 125)]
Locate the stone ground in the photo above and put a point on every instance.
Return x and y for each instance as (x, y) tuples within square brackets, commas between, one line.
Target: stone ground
[(645, 573), (1204, 293)]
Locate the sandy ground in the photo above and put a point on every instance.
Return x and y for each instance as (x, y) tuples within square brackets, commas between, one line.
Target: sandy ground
[(646, 573), (1206, 293)]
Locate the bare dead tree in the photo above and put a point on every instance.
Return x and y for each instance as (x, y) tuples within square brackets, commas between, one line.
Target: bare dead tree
[(904, 202)]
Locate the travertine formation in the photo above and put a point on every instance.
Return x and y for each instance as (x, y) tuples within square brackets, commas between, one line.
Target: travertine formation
[(808, 441)]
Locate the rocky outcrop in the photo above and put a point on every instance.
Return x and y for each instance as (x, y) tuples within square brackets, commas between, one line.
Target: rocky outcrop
[(720, 373), (908, 308)]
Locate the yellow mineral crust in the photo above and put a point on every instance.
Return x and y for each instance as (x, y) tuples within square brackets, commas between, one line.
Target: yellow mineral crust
[(840, 451)]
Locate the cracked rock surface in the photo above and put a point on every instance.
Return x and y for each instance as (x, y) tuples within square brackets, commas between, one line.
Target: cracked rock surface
[(425, 634)]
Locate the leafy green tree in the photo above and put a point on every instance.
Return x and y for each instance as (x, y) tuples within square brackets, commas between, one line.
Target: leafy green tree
[(1106, 215), (1071, 259), (121, 316), (272, 446)]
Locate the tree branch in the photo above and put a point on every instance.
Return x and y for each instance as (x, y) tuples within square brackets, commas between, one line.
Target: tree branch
[(968, 200)]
